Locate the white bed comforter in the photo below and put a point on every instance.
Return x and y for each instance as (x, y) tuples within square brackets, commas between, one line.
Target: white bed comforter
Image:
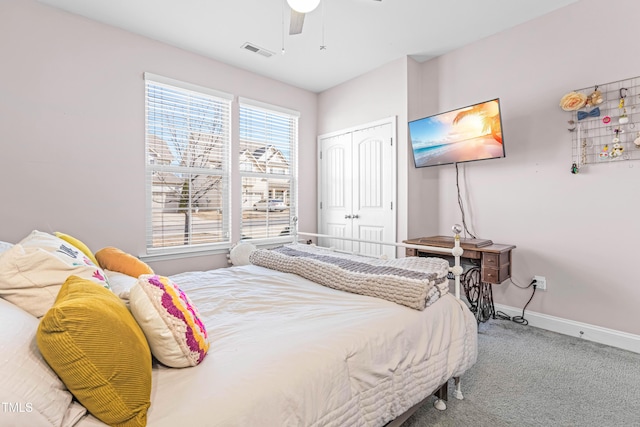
[(288, 352)]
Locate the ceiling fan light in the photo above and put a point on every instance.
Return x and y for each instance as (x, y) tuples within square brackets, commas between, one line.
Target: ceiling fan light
[(303, 6)]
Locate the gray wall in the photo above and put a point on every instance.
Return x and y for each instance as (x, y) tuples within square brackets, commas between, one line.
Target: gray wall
[(72, 128), (579, 231)]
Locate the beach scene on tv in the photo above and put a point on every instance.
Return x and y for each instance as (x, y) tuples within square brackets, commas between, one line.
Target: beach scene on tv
[(465, 134)]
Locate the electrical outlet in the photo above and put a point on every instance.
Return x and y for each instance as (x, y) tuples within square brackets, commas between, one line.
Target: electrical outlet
[(541, 282)]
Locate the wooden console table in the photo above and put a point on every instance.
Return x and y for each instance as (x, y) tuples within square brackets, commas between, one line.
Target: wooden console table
[(491, 266)]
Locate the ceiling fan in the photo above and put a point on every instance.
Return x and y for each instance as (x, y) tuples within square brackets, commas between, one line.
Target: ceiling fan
[(299, 8)]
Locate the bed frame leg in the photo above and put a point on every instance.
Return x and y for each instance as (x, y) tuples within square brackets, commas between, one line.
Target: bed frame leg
[(441, 396), (457, 393), (440, 405)]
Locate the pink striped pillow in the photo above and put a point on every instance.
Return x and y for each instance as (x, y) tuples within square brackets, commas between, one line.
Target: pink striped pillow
[(176, 335)]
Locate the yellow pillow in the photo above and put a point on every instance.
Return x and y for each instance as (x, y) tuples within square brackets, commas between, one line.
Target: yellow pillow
[(114, 259), (91, 340), (79, 245)]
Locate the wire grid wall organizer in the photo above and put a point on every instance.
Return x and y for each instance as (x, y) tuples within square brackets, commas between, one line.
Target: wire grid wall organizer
[(609, 136)]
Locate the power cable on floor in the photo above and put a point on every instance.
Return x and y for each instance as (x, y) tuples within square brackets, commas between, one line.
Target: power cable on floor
[(519, 319)]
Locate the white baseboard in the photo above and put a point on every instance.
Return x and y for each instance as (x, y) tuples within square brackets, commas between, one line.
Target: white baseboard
[(594, 333)]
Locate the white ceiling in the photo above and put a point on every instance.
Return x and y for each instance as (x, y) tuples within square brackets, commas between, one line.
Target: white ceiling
[(359, 35)]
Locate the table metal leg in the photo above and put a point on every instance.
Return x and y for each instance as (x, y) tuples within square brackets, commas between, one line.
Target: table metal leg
[(479, 294), (485, 303), (471, 283)]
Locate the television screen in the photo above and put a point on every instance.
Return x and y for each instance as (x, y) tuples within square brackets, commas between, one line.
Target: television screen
[(462, 135)]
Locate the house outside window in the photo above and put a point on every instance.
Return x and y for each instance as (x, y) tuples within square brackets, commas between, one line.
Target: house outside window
[(268, 170), (187, 166)]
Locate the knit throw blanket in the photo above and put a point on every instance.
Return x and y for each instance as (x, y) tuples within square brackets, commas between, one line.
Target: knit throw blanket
[(415, 282)]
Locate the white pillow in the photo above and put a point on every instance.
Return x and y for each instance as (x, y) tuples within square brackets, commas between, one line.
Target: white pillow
[(31, 393), (120, 282), (239, 254), (5, 246), (33, 271)]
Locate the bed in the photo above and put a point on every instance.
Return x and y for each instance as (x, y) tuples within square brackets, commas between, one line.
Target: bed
[(287, 351)]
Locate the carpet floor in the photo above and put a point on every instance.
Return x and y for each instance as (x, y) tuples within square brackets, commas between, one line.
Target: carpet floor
[(526, 376)]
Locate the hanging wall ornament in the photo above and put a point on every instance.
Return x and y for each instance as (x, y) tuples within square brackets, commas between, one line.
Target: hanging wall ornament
[(586, 114), (617, 137), (604, 154), (594, 98), (573, 101), (574, 168), (623, 117), (637, 140), (616, 150)]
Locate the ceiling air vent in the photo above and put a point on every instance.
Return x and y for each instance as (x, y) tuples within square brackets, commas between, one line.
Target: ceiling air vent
[(257, 49)]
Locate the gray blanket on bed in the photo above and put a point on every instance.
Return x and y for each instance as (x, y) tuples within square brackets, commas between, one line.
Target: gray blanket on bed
[(413, 282)]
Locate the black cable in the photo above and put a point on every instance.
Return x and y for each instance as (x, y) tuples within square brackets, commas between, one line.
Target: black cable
[(519, 319), (464, 222), (518, 286)]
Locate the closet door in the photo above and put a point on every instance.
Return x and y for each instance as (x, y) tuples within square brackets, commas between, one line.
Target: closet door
[(373, 213), (336, 187), (357, 188)]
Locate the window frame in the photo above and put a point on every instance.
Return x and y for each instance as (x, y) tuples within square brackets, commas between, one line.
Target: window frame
[(293, 118), (192, 249)]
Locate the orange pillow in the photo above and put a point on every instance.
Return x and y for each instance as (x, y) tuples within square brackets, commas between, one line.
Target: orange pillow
[(114, 259)]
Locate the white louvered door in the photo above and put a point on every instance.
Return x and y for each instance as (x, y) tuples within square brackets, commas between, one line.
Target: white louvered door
[(357, 188)]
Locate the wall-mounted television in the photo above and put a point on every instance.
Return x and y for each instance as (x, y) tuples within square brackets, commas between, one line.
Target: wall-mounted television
[(463, 135)]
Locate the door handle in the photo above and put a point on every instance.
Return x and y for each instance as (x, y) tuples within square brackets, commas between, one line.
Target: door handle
[(348, 217), (356, 216)]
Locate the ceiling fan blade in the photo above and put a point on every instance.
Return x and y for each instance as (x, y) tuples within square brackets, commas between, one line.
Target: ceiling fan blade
[(296, 22)]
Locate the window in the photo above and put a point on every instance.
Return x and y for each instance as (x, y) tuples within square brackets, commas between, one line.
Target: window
[(267, 164), (187, 166)]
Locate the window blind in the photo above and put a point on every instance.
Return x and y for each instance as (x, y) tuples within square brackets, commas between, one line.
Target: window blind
[(187, 165), (268, 169)]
